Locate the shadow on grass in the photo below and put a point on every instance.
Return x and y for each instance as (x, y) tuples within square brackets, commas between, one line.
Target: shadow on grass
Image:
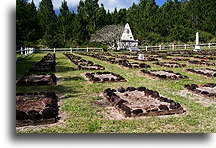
[(59, 89), (23, 65), (76, 78), (65, 69)]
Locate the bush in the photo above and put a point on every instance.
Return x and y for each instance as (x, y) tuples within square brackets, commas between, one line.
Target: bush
[(205, 37)]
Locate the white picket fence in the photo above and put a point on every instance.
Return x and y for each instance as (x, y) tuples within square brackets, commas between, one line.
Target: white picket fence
[(24, 52), (70, 50), (173, 46), (28, 51)]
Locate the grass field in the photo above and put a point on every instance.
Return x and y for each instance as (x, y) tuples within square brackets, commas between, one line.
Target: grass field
[(85, 115)]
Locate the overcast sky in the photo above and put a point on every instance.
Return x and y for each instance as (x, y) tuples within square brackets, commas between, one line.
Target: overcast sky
[(108, 4)]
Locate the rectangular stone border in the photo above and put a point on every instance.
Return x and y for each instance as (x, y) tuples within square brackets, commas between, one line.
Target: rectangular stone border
[(50, 64), (46, 120), (23, 82), (192, 88), (201, 73), (126, 111), (80, 67), (163, 64), (157, 78), (87, 79)]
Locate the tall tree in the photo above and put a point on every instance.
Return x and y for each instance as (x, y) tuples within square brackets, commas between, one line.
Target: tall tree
[(33, 25), (86, 19), (27, 28), (64, 21), (48, 22), (21, 22)]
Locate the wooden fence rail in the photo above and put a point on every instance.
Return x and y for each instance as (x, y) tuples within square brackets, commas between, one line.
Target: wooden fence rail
[(27, 51)]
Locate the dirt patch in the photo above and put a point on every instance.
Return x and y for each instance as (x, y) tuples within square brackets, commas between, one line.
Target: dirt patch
[(207, 90), (103, 77), (170, 64), (163, 75), (36, 108), (46, 124), (202, 62), (204, 71), (111, 113), (136, 102), (197, 98), (38, 80)]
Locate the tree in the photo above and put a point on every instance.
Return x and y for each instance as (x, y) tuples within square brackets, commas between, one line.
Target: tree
[(110, 35), (27, 28), (33, 25), (48, 22), (21, 22), (64, 21)]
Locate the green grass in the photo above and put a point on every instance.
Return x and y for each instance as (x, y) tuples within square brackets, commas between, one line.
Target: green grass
[(85, 115)]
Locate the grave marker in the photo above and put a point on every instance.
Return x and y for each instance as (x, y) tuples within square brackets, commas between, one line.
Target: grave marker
[(197, 46)]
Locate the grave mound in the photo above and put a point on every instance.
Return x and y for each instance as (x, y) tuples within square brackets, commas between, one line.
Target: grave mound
[(46, 64), (127, 64), (202, 62), (170, 64), (36, 108), (163, 75), (37, 80), (206, 90), (203, 71), (83, 64), (141, 101), (104, 77)]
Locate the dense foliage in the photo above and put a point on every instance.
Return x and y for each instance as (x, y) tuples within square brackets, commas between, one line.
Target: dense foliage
[(175, 21)]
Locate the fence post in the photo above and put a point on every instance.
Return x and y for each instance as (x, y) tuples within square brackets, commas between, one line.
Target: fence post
[(209, 45), (173, 46), (146, 48), (160, 47), (87, 49), (21, 50), (185, 46), (70, 49), (54, 50)]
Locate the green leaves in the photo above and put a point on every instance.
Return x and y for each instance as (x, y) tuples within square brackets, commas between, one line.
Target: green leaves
[(174, 21)]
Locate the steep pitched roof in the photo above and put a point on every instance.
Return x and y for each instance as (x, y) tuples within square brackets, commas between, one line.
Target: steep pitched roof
[(127, 33)]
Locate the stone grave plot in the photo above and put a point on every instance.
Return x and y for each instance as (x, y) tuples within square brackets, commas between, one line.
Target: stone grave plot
[(146, 59), (91, 67), (176, 59), (103, 57), (83, 64), (74, 59), (135, 57), (207, 90), (37, 80), (202, 62), (88, 65), (104, 77), (36, 108), (47, 64), (205, 57), (129, 65), (203, 71), (170, 64), (163, 75), (141, 101)]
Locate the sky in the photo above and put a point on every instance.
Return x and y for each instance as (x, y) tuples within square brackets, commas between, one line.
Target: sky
[(108, 4)]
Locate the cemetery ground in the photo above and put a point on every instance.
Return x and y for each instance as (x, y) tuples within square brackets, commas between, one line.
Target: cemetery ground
[(85, 110)]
